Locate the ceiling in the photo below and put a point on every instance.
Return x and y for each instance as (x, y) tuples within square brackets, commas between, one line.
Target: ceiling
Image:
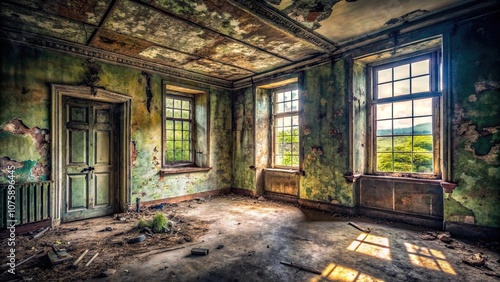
[(227, 40)]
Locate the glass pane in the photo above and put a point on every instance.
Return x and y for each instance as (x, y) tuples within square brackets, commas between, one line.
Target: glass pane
[(295, 148), (384, 144), (295, 120), (169, 134), (384, 128), (295, 161), (295, 105), (402, 162), (422, 143), (178, 145), (384, 161), (384, 75), (279, 122), (287, 121), (280, 97), (422, 107), (402, 87), (169, 124), (170, 156), (187, 155), (169, 103), (177, 113), (401, 72), (402, 144), (280, 108), (288, 95), (169, 145), (384, 90), (422, 162), (185, 105), (295, 138), (186, 125), (185, 114), (169, 113), (185, 135), (186, 145), (402, 109), (423, 126), (419, 68), (177, 104), (278, 160), (295, 94), (288, 106), (178, 155), (178, 135), (384, 111), (178, 125), (402, 126), (420, 84)]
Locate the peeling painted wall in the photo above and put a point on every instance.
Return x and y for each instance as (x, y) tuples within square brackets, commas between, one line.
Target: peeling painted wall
[(475, 81), (359, 105), (25, 121), (324, 124), (243, 138)]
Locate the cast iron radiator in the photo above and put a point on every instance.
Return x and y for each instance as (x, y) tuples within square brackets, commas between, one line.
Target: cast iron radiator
[(32, 202)]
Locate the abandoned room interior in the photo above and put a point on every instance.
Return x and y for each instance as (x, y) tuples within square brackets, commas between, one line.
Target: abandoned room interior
[(239, 140)]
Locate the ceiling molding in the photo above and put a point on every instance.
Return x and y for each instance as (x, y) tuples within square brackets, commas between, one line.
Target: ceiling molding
[(274, 17), (38, 41)]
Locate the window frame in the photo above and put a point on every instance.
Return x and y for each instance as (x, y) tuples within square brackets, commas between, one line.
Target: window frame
[(185, 97), (275, 115), (435, 93)]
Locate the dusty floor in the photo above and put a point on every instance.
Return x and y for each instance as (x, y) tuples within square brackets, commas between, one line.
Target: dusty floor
[(247, 239)]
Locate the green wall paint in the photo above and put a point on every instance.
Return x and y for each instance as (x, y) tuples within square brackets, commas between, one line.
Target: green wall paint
[(324, 124), (476, 122)]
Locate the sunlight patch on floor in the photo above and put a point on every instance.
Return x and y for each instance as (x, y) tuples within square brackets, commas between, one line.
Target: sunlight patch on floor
[(429, 258), (335, 272), (371, 245)]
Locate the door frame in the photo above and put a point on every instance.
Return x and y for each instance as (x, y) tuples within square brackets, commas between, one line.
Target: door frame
[(57, 113)]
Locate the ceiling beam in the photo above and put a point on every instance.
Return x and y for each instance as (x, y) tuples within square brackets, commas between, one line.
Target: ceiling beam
[(104, 18)]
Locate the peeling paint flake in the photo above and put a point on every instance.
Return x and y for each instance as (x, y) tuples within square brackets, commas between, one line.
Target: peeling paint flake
[(165, 55)]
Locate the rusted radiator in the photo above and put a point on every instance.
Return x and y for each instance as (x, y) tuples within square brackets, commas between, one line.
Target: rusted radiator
[(32, 202)]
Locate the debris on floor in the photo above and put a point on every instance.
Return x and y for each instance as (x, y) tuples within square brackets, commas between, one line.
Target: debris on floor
[(474, 260), (96, 247), (366, 230), (199, 251)]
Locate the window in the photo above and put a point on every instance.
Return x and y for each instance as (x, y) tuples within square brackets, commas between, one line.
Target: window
[(178, 130), (405, 108), (286, 127)]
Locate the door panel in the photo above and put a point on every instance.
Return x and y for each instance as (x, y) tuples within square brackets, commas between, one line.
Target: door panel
[(89, 151)]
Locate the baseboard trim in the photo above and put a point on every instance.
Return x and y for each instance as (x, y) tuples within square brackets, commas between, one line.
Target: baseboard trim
[(281, 197), (472, 231), (27, 227), (178, 199), (431, 222), (328, 207), (245, 192)]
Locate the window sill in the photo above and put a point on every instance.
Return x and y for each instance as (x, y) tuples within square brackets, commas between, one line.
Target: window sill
[(286, 170), (178, 170)]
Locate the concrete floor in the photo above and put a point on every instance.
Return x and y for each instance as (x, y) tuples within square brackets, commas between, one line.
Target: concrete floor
[(257, 235)]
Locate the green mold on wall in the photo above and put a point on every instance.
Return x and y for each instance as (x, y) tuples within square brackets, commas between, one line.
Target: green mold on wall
[(325, 131), (476, 121)]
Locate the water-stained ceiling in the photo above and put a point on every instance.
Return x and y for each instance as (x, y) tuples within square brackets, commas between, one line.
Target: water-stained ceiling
[(227, 40)]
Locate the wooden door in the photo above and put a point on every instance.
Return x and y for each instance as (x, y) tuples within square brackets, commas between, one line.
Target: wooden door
[(89, 171)]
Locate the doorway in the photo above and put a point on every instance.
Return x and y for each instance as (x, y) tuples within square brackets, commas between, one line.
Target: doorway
[(91, 152)]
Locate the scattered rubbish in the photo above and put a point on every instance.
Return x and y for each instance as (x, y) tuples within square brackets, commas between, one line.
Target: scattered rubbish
[(158, 207), (449, 246), (158, 224), (200, 199), (106, 229), (92, 259), (474, 260), (77, 261), (494, 274), (108, 272), (445, 237), (428, 236), (24, 261), (367, 230), (57, 256), (40, 233), (301, 267), (139, 239), (261, 198), (70, 229), (268, 246), (199, 251), (220, 247)]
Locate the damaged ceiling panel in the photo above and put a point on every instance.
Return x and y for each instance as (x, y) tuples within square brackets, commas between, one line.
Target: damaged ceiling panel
[(224, 42), (341, 21)]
